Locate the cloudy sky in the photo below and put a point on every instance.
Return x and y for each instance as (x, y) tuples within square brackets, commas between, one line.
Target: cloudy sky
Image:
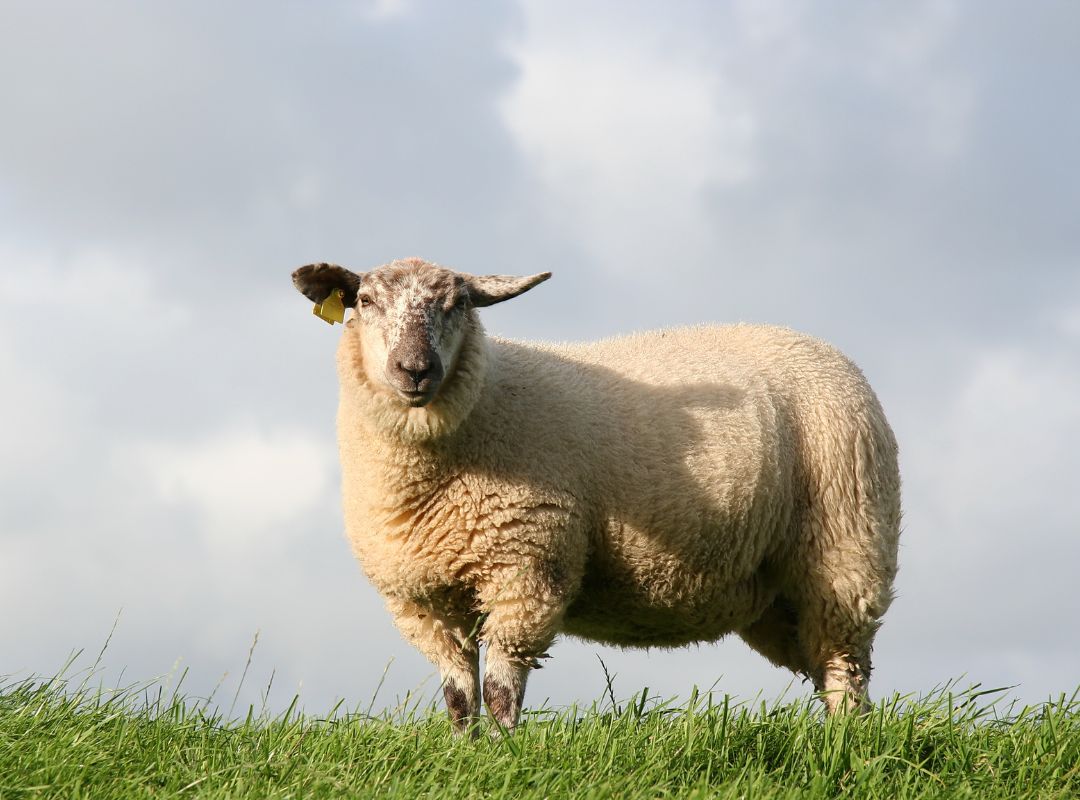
[(900, 179)]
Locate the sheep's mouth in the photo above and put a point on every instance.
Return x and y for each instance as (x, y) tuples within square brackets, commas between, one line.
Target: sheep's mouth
[(417, 398)]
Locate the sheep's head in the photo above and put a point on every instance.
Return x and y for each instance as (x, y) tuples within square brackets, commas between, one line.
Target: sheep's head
[(411, 316)]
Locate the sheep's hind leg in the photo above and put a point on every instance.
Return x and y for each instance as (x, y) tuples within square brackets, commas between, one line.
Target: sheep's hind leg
[(840, 673), (838, 642), (842, 680), (849, 564)]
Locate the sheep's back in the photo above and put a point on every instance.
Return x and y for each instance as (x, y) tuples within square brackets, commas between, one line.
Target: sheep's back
[(687, 452)]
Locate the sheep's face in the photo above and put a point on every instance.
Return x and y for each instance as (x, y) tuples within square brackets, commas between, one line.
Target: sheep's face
[(411, 316), (411, 319)]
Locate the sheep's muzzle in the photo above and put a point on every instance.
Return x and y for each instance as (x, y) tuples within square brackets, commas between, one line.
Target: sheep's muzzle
[(416, 375)]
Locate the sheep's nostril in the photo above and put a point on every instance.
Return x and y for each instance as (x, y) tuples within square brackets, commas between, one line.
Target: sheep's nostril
[(420, 373), (417, 371)]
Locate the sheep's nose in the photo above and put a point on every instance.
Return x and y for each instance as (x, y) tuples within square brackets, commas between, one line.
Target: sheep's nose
[(417, 368)]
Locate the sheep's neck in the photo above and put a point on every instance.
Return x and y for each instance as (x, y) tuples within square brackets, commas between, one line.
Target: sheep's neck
[(399, 484), (410, 452)]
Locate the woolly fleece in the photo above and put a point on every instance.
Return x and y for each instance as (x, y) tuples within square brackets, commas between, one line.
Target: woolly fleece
[(651, 490)]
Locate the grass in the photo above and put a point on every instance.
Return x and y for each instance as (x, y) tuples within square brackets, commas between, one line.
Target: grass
[(70, 741)]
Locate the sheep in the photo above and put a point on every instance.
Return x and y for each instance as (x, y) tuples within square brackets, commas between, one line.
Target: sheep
[(652, 490)]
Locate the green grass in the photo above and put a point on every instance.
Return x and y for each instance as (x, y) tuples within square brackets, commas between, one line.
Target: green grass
[(65, 741)]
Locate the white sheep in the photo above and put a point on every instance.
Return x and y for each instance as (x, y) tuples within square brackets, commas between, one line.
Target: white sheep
[(651, 490)]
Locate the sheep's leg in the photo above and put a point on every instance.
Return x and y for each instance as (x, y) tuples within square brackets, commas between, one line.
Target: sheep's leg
[(461, 691), (519, 628), (505, 676), (843, 585), (864, 522), (837, 637), (840, 672), (841, 675), (844, 682), (451, 646)]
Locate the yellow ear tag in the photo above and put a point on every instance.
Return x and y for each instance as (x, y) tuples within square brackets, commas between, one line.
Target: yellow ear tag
[(331, 309)]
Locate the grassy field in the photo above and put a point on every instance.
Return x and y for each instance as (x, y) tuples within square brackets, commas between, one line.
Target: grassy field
[(64, 741)]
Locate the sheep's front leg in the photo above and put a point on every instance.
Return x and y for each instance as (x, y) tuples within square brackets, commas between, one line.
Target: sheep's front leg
[(461, 690), (451, 646), (505, 675), (520, 626)]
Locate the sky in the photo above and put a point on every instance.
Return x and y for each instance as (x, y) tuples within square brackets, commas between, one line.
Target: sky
[(902, 180)]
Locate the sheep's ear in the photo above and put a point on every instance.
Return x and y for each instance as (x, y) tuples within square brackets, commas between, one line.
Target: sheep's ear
[(317, 281), (487, 290)]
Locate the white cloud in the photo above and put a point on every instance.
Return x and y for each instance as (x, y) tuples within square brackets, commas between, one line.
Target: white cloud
[(246, 485), (625, 121), (1008, 451), (39, 418), (1067, 323), (990, 539), (55, 310), (624, 126), (770, 22), (307, 191), (104, 287), (904, 60), (637, 127), (381, 10)]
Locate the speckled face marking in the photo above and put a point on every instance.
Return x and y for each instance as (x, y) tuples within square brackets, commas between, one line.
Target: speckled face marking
[(412, 316)]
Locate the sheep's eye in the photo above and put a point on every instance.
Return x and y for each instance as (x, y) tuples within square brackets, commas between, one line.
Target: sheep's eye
[(452, 304), (365, 301)]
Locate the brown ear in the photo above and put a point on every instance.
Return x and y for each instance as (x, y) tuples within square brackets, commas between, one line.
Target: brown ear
[(487, 290), (317, 281)]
